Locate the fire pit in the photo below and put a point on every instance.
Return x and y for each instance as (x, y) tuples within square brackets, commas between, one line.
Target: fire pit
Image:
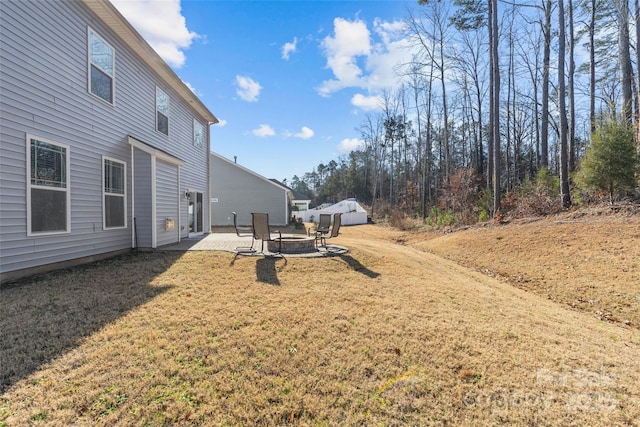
[(292, 244)]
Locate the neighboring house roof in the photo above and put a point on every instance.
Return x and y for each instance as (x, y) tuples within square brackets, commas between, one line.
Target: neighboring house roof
[(301, 197), (270, 181), (296, 194), (114, 19)]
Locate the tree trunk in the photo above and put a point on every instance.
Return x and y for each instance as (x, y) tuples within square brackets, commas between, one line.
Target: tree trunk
[(564, 171), (624, 58), (571, 91), (440, 21), (420, 151), (491, 97), (445, 133), (636, 11), (510, 113), (544, 142), (636, 6), (479, 128), (592, 66), (495, 102)]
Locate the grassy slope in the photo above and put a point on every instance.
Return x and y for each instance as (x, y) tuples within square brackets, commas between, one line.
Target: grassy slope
[(387, 335), (588, 260)]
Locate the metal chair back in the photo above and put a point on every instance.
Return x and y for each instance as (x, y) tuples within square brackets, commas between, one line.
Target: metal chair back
[(337, 222), (324, 223), (261, 230), (241, 231)]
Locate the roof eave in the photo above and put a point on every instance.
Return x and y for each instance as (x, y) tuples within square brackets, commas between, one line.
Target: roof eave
[(108, 14), (247, 170)]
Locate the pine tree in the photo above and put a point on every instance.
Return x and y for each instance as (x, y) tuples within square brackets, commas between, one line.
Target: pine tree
[(611, 161)]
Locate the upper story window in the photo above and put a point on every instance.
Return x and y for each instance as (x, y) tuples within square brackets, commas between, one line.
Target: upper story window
[(115, 203), (162, 111), (198, 133), (47, 187), (101, 67)]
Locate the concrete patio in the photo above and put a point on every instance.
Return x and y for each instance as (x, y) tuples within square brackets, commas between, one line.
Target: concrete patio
[(230, 242)]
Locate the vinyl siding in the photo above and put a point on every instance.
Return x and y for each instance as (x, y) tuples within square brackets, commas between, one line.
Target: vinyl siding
[(143, 204), (239, 190), (43, 81), (167, 203)]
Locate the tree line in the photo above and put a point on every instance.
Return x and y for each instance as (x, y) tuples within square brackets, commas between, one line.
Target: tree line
[(501, 103)]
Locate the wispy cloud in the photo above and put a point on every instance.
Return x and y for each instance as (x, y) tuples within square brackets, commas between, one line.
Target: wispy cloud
[(247, 88), (162, 25), (221, 123), (263, 131), (305, 133), (289, 48), (348, 145)]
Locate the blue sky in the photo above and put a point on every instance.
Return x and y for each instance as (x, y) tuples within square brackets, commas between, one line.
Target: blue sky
[(290, 81)]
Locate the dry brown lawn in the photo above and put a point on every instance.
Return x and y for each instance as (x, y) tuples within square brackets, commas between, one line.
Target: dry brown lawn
[(388, 334), (588, 260)]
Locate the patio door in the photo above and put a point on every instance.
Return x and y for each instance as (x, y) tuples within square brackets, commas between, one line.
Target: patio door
[(195, 213)]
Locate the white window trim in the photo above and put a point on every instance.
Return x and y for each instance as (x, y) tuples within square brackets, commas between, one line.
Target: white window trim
[(104, 194), (67, 189), (158, 88), (113, 77)]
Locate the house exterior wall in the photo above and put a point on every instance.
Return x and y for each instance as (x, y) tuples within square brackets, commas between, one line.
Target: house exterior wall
[(143, 177), (237, 189), (44, 86), (167, 215)]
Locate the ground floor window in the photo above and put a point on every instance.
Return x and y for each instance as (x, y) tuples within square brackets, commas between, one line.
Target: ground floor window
[(115, 203), (47, 187)]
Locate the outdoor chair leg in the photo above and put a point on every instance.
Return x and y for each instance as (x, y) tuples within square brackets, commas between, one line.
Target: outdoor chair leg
[(279, 241), (246, 250)]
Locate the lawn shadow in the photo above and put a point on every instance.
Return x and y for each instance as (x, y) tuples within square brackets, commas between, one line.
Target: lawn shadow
[(44, 316), (354, 264), (266, 271)]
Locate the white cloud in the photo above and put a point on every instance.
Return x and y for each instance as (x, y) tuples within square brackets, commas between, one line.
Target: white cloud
[(248, 89), (389, 31), (348, 145), (395, 49), (362, 58), (305, 133), (263, 131), (221, 123), (289, 48), (351, 40), (366, 103), (162, 25)]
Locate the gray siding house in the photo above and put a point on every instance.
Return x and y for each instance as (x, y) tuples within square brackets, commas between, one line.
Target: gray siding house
[(102, 147), (235, 188)]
